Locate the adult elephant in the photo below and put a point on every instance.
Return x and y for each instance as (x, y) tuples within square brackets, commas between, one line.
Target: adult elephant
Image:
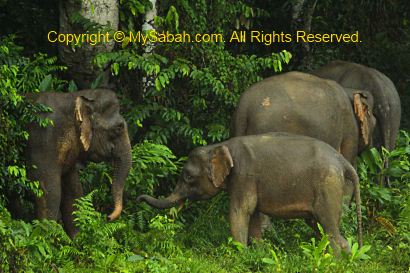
[(87, 126), (307, 105), (387, 109)]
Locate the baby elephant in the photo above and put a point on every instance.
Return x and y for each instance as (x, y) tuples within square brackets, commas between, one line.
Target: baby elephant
[(279, 174)]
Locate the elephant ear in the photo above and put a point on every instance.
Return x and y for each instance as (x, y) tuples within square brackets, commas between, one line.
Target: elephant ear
[(361, 110), (220, 165), (83, 112)]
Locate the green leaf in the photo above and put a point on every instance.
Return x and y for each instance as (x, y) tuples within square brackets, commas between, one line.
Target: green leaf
[(41, 250), (157, 84), (97, 82), (135, 258), (162, 79), (394, 171), (268, 261), (377, 158), (46, 83), (72, 87), (115, 68)]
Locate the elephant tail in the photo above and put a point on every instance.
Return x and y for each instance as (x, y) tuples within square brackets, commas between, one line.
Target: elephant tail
[(351, 174)]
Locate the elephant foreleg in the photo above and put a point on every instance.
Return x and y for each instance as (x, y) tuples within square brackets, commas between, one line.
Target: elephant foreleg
[(72, 190), (240, 210), (239, 220), (48, 205)]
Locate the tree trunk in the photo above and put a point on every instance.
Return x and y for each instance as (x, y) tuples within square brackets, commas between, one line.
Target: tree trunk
[(302, 14), (297, 9), (149, 47), (79, 59)]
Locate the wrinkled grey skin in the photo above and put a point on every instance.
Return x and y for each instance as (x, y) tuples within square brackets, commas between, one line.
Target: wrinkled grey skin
[(278, 174), (307, 105), (387, 108), (87, 126)]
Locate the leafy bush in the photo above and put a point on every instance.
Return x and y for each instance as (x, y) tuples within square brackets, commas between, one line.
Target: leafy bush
[(153, 166), (320, 259), (27, 246), (193, 90), (197, 240), (20, 75), (188, 100), (388, 208), (162, 235)]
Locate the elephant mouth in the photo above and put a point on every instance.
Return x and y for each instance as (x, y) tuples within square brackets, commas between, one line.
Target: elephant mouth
[(96, 158)]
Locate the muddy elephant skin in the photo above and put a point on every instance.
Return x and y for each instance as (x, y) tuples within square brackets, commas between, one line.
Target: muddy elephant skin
[(86, 126), (278, 174), (307, 105), (387, 108)]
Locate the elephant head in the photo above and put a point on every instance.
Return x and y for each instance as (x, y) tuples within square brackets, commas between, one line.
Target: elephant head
[(387, 108), (104, 137), (202, 177), (363, 103)]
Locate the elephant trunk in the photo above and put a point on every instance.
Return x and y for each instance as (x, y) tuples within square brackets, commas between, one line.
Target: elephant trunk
[(165, 203), (121, 165)]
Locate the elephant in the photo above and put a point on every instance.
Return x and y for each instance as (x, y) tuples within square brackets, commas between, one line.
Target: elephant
[(279, 174), (86, 126), (304, 104), (387, 108)]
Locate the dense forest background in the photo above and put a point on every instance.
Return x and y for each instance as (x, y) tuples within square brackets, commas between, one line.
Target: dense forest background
[(177, 96)]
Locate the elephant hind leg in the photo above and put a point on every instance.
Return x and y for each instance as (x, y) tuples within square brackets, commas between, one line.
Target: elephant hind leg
[(328, 212), (313, 224), (255, 225), (335, 237), (331, 228), (72, 190)]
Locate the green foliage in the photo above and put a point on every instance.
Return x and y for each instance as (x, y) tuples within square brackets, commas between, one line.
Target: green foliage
[(320, 259), (388, 208), (176, 244), (188, 99), (27, 246), (20, 75), (273, 261), (162, 235), (167, 107), (152, 164), (357, 254), (191, 91), (372, 169), (95, 241)]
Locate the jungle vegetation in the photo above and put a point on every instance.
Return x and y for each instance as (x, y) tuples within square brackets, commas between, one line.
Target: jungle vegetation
[(191, 93)]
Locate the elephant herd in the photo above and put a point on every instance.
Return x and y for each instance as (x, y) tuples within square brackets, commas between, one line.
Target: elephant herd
[(295, 139)]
